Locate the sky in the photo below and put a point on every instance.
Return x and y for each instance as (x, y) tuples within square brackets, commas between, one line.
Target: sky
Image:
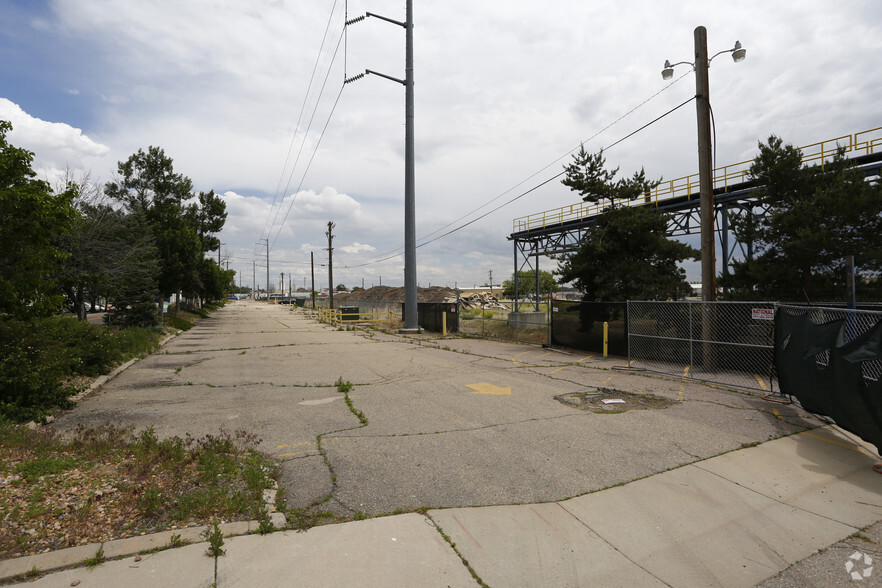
[(248, 100)]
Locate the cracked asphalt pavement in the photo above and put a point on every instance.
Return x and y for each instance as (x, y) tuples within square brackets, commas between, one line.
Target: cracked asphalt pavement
[(451, 422)]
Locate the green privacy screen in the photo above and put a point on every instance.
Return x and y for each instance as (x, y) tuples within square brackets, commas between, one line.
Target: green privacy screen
[(831, 361)]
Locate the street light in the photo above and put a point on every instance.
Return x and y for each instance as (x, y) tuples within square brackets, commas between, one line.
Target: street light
[(705, 179)]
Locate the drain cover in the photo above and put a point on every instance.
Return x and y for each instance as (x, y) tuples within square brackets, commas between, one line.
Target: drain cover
[(605, 400)]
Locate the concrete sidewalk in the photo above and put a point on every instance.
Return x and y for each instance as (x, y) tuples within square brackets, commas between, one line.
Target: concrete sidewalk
[(737, 519)]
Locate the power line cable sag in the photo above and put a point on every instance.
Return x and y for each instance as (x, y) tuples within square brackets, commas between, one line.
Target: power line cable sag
[(592, 137), (308, 165), (299, 119), (318, 142), (392, 253), (628, 136)]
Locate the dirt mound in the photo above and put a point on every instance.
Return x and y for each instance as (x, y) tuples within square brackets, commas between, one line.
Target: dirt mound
[(390, 294)]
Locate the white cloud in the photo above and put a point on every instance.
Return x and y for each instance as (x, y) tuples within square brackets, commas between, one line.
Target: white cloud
[(500, 95), (358, 248), (55, 145)]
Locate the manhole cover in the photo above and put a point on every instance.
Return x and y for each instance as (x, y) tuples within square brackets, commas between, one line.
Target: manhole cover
[(605, 400)]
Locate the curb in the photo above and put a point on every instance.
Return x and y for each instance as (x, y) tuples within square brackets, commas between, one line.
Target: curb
[(74, 556)]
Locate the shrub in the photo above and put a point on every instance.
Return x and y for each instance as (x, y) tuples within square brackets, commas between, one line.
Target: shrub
[(39, 357)]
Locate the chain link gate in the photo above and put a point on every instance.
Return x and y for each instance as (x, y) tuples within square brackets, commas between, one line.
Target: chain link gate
[(730, 343)]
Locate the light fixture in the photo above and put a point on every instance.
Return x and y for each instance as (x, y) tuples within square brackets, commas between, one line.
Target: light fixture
[(738, 53), (668, 71)]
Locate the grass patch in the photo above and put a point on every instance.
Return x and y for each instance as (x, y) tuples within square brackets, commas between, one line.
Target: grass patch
[(177, 322), (108, 483)]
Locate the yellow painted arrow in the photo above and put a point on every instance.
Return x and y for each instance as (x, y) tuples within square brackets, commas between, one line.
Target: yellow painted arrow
[(485, 388)]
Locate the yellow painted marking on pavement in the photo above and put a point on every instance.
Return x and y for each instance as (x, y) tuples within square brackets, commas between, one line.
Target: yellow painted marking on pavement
[(577, 361), (857, 448), (301, 444), (514, 359), (681, 392), (776, 413), (760, 380), (487, 388)]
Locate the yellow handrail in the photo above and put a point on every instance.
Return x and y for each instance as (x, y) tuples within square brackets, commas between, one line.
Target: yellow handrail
[(864, 142)]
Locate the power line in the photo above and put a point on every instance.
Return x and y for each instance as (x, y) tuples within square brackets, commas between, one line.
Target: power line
[(392, 253), (318, 142), (299, 119), (592, 137), (309, 164), (518, 197)]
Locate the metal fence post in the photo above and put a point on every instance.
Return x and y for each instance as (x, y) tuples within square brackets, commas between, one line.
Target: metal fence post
[(691, 338)]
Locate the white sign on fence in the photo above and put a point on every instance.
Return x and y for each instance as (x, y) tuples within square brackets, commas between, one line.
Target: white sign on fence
[(762, 314)]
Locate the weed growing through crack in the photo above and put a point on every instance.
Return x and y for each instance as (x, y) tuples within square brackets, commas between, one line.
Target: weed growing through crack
[(215, 539), (266, 525), (344, 388), (177, 541), (96, 560)]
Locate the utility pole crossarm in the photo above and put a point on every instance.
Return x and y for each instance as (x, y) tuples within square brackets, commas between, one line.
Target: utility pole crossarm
[(376, 73), (387, 19)]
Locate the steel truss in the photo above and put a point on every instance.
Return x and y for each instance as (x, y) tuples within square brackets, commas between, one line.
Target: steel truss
[(737, 200)]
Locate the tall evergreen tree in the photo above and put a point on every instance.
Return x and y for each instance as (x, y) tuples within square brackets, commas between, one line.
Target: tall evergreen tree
[(626, 255), (816, 216), (148, 184)]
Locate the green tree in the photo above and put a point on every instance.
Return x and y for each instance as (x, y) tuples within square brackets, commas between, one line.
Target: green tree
[(527, 284), (626, 255), (134, 291), (217, 283), (32, 220), (587, 175), (208, 215), (149, 183), (816, 216)]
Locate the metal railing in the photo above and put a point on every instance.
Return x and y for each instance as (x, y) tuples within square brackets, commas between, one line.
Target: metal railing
[(864, 142), (730, 343), (338, 318)]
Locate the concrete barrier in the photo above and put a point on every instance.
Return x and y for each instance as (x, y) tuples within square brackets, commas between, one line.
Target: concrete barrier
[(523, 320)]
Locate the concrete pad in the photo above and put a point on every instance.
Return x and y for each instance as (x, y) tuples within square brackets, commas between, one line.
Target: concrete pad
[(822, 471), (404, 550), (185, 566), (838, 565), (536, 545), (689, 527)]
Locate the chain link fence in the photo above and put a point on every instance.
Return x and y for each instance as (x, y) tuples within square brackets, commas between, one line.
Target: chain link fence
[(498, 319), (730, 343)]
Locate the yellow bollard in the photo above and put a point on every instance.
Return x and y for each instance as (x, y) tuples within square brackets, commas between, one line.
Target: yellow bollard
[(443, 324), (605, 338)]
